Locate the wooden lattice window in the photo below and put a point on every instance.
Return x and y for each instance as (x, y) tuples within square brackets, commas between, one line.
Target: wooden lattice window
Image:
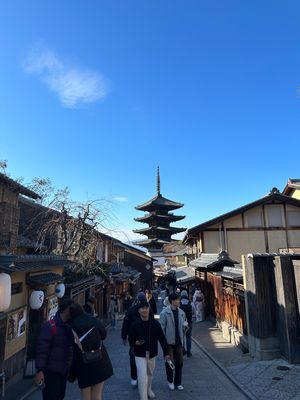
[(16, 288)]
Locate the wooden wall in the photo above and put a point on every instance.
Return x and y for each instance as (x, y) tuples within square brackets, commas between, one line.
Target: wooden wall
[(224, 299)]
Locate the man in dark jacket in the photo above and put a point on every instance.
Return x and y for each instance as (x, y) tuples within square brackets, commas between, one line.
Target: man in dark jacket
[(89, 306), (144, 335), (131, 315), (54, 353)]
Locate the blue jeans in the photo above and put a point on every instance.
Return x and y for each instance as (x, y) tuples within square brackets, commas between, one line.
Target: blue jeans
[(188, 337)]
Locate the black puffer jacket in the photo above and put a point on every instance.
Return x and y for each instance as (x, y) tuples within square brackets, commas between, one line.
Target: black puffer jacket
[(137, 332), (82, 324), (131, 315)]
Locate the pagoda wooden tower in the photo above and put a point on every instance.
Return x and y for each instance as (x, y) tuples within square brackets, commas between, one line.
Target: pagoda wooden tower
[(159, 218)]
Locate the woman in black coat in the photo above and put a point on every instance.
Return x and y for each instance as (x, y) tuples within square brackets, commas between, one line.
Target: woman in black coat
[(91, 376)]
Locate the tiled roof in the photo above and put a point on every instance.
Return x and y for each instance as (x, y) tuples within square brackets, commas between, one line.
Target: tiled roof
[(154, 229), (235, 274), (124, 272), (33, 262), (45, 279), (185, 274), (211, 261), (158, 217), (17, 187), (159, 202), (273, 197)]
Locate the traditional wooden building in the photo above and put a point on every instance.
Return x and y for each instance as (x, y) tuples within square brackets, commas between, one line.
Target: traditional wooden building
[(266, 225), (138, 260), (10, 211), (29, 275), (292, 189), (221, 280)]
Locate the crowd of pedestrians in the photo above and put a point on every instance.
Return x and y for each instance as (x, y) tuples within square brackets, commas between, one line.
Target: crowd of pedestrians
[(70, 346), (173, 332)]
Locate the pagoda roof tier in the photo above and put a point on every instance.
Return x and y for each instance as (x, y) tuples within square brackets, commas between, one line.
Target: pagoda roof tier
[(159, 217), (152, 242), (158, 229), (159, 202)]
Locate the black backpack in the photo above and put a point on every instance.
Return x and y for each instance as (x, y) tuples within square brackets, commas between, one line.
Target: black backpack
[(187, 308)]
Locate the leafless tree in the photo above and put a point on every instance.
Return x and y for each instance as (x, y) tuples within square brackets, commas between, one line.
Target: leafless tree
[(66, 226)]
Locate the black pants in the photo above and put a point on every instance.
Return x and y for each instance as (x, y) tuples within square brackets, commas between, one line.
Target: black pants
[(133, 371), (55, 386), (177, 358)]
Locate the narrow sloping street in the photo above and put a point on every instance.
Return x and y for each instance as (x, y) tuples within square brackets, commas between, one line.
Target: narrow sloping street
[(202, 379)]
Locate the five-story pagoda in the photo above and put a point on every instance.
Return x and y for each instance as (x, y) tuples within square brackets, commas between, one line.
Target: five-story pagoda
[(159, 231)]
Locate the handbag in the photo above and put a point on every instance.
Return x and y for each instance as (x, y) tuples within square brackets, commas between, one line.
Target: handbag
[(88, 356), (92, 356)]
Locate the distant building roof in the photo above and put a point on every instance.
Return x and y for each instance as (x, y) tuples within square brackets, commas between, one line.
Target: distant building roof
[(17, 187), (272, 198), (159, 217), (234, 273), (14, 263), (44, 279), (212, 261), (155, 229), (159, 202), (292, 184), (185, 274)]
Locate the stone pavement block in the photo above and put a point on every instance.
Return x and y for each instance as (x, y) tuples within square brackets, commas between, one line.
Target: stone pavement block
[(274, 394)]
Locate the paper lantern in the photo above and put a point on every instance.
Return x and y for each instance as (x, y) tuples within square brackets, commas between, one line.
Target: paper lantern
[(5, 291), (60, 290), (36, 299)]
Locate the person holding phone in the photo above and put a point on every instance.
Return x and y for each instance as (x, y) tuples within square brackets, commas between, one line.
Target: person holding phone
[(172, 320), (144, 335)]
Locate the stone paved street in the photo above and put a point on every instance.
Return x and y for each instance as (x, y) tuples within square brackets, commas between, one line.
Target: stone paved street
[(263, 380), (202, 379)]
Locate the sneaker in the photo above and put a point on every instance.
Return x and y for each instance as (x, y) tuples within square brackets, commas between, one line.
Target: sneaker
[(171, 385), (189, 355), (134, 383), (179, 387), (151, 394)]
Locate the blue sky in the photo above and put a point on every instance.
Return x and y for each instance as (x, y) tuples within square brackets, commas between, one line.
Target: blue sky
[(95, 95)]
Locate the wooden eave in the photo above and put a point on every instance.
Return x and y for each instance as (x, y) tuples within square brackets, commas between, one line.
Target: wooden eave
[(154, 229), (17, 187), (153, 217), (159, 202)]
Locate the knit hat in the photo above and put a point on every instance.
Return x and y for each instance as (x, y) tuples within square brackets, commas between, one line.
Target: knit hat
[(143, 304), (184, 294), (141, 297)]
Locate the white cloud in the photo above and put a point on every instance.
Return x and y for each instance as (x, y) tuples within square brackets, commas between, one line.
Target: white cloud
[(73, 85), (121, 199)]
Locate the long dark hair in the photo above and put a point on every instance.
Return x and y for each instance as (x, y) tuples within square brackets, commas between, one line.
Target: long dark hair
[(75, 310)]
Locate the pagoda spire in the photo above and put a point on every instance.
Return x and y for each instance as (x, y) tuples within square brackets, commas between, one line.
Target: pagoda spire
[(158, 182)]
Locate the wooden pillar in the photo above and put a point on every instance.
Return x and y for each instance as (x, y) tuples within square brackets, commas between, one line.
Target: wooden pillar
[(288, 308), (261, 305)]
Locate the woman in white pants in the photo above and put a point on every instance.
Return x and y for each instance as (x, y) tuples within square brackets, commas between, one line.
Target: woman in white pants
[(144, 335)]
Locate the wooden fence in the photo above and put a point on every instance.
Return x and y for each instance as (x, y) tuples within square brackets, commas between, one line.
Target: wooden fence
[(224, 299)]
